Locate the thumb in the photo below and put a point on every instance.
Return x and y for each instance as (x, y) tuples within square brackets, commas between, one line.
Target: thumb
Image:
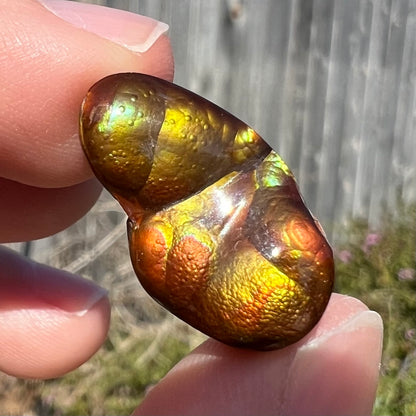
[(51, 54), (332, 371)]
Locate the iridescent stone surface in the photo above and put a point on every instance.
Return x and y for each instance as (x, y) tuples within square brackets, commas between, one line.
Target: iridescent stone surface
[(218, 231)]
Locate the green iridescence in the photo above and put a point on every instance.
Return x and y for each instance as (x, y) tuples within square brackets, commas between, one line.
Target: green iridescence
[(275, 171)]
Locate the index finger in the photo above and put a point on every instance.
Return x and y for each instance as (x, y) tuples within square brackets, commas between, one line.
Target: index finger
[(47, 65)]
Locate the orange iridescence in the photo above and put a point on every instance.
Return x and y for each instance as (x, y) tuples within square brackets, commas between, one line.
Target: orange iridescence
[(218, 231)]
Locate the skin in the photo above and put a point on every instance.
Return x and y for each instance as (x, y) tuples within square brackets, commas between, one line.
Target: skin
[(51, 322)]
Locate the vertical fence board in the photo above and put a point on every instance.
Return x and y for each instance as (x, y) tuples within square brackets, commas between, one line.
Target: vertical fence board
[(316, 92), (329, 83)]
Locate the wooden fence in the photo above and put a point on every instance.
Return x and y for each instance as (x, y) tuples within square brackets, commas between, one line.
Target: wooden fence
[(329, 84)]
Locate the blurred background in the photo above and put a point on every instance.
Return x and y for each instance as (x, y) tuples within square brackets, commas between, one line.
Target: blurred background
[(330, 84)]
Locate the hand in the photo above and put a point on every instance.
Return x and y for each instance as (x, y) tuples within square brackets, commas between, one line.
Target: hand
[(51, 321)]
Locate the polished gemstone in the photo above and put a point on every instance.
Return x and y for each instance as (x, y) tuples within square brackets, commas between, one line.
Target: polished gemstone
[(218, 231)]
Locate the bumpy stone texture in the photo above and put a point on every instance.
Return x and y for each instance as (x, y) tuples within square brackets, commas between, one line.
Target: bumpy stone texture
[(218, 231)]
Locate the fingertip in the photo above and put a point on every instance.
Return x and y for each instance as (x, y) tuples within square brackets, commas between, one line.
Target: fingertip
[(161, 52), (335, 376), (337, 372), (39, 136), (50, 321), (130, 30), (47, 343)]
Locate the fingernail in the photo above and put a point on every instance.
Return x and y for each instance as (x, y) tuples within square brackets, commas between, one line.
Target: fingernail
[(69, 292), (363, 320), (133, 31), (89, 302), (25, 284)]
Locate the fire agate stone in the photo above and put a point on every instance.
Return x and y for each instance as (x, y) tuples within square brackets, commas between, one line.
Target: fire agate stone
[(218, 232)]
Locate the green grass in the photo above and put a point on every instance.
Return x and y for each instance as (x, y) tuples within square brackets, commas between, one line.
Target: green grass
[(374, 264), (378, 266), (121, 383)]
